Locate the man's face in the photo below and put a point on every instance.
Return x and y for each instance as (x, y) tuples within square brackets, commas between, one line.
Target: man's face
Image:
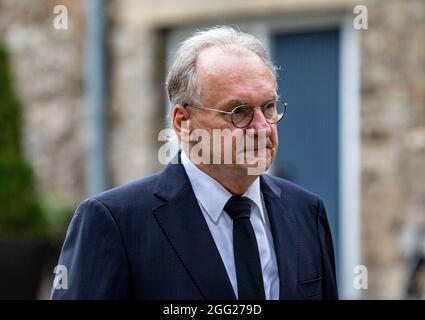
[(227, 80)]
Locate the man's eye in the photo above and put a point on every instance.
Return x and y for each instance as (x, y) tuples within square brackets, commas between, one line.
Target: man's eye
[(269, 106), (240, 110)]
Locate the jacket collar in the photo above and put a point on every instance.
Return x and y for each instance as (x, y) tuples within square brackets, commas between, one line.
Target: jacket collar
[(180, 218), (285, 236)]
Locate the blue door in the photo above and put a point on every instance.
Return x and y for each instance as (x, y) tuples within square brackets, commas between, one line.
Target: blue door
[(308, 136)]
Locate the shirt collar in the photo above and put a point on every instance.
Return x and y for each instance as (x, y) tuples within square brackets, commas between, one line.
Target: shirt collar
[(204, 186)]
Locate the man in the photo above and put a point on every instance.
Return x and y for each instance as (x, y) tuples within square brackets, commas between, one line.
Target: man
[(204, 229)]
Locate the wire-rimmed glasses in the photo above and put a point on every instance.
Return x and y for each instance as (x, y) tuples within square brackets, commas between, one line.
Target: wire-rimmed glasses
[(242, 115)]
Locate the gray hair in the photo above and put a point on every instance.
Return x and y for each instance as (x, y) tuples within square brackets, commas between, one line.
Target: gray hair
[(182, 85)]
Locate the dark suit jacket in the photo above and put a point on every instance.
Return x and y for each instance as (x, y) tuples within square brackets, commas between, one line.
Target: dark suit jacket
[(148, 240)]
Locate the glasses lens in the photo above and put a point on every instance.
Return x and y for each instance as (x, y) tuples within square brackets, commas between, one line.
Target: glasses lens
[(242, 116), (274, 111)]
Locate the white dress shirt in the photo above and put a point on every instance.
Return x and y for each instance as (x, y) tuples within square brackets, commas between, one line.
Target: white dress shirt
[(212, 197)]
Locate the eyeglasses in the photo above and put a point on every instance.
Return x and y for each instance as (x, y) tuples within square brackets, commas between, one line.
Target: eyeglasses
[(242, 115)]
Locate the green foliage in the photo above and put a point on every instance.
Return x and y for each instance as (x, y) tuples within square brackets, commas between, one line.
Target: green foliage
[(20, 210), (58, 212)]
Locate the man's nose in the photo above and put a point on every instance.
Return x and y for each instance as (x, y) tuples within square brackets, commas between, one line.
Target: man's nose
[(259, 122)]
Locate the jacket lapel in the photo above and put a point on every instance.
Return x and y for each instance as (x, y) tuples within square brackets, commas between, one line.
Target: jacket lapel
[(178, 214), (284, 230)]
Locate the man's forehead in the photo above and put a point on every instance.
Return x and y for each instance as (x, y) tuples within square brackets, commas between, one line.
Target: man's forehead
[(223, 59), (229, 78), (231, 50)]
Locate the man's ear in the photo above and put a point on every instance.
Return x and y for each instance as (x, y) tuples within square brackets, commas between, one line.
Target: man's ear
[(181, 120)]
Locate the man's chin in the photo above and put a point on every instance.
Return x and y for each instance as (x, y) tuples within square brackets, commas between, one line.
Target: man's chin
[(253, 157), (256, 166)]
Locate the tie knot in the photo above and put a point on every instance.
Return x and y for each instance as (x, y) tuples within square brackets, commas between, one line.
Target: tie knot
[(238, 208)]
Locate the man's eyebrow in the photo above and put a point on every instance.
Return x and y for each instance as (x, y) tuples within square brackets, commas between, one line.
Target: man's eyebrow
[(234, 102), (272, 98), (238, 102)]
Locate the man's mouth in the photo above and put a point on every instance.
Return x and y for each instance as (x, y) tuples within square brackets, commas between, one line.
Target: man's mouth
[(268, 146)]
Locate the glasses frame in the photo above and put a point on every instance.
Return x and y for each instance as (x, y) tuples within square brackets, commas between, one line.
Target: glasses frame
[(232, 112)]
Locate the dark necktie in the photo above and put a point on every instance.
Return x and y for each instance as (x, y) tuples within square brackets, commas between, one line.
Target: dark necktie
[(247, 259)]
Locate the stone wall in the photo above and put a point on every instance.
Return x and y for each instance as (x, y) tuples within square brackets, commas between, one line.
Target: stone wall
[(47, 65), (137, 91), (393, 117)]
